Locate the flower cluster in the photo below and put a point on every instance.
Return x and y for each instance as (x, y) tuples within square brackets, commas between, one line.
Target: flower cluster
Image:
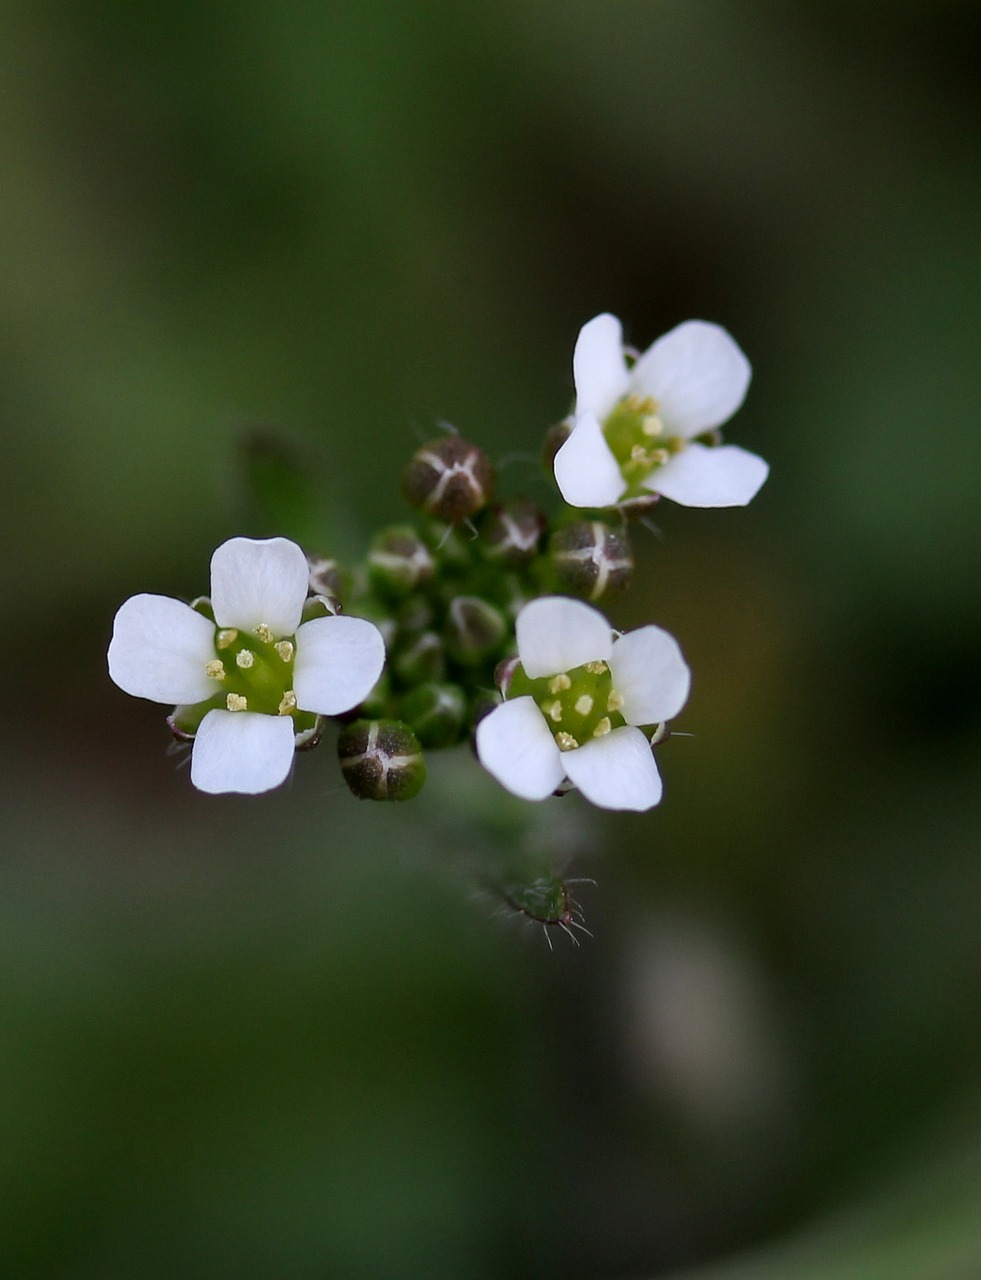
[(475, 619)]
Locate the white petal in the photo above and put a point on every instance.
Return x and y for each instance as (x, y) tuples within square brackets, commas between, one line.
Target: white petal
[(586, 471), (556, 634), (598, 366), (159, 648), (616, 772), (700, 476), (697, 374), (515, 746), (338, 661), (650, 675), (241, 751), (255, 582)]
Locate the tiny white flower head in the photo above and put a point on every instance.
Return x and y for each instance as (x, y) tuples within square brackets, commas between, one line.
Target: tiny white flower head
[(574, 703), (252, 680), (635, 427)]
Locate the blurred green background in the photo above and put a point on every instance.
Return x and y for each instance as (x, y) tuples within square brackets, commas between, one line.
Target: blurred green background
[(284, 1037)]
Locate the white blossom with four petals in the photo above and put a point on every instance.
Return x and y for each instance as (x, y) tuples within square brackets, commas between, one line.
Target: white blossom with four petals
[(694, 378), (516, 742), (163, 650)]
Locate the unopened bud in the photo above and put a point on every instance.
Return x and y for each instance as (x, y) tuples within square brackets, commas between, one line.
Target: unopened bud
[(449, 478), (422, 657), (381, 760), (591, 560), (511, 531), (474, 629), (399, 561), (437, 713)]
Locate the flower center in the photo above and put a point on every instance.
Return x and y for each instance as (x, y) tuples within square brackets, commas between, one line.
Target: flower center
[(254, 670), (578, 705), (638, 440)]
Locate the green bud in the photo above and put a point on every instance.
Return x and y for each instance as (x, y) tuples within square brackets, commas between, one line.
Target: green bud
[(399, 561), (437, 713), (449, 478), (591, 560), (381, 760), (474, 629), (423, 657), (511, 531)]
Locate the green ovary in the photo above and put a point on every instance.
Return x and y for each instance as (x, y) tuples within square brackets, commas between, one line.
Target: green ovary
[(578, 705), (253, 671), (638, 440)]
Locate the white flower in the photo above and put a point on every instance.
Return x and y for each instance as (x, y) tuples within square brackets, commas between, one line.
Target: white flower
[(634, 428), (574, 703), (258, 673)]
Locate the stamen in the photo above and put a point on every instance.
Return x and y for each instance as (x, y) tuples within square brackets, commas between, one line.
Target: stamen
[(225, 638), (245, 658), (584, 704), (603, 728), (615, 701), (285, 649), (288, 704), (566, 742), (595, 668), (215, 669), (555, 711), (264, 633), (237, 702), (559, 683), (652, 425)]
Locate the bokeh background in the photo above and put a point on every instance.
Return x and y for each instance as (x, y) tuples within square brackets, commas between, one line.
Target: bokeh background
[(284, 1037)]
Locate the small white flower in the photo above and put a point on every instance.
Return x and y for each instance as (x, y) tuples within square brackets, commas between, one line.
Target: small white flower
[(634, 428), (574, 703), (253, 669)]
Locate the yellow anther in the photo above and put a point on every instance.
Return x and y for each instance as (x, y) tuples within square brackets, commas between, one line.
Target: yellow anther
[(615, 701), (245, 658), (215, 669), (559, 683), (566, 742), (555, 712), (652, 425), (288, 704), (584, 704), (264, 633), (659, 456), (285, 649), (603, 728), (595, 668), (226, 638), (639, 454), (237, 702)]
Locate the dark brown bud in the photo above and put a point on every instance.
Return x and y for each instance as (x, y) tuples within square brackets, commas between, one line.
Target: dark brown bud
[(449, 478), (591, 560)]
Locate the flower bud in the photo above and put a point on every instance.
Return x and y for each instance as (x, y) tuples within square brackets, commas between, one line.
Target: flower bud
[(399, 561), (437, 713), (511, 531), (381, 760), (591, 560), (474, 629), (421, 658), (449, 478)]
